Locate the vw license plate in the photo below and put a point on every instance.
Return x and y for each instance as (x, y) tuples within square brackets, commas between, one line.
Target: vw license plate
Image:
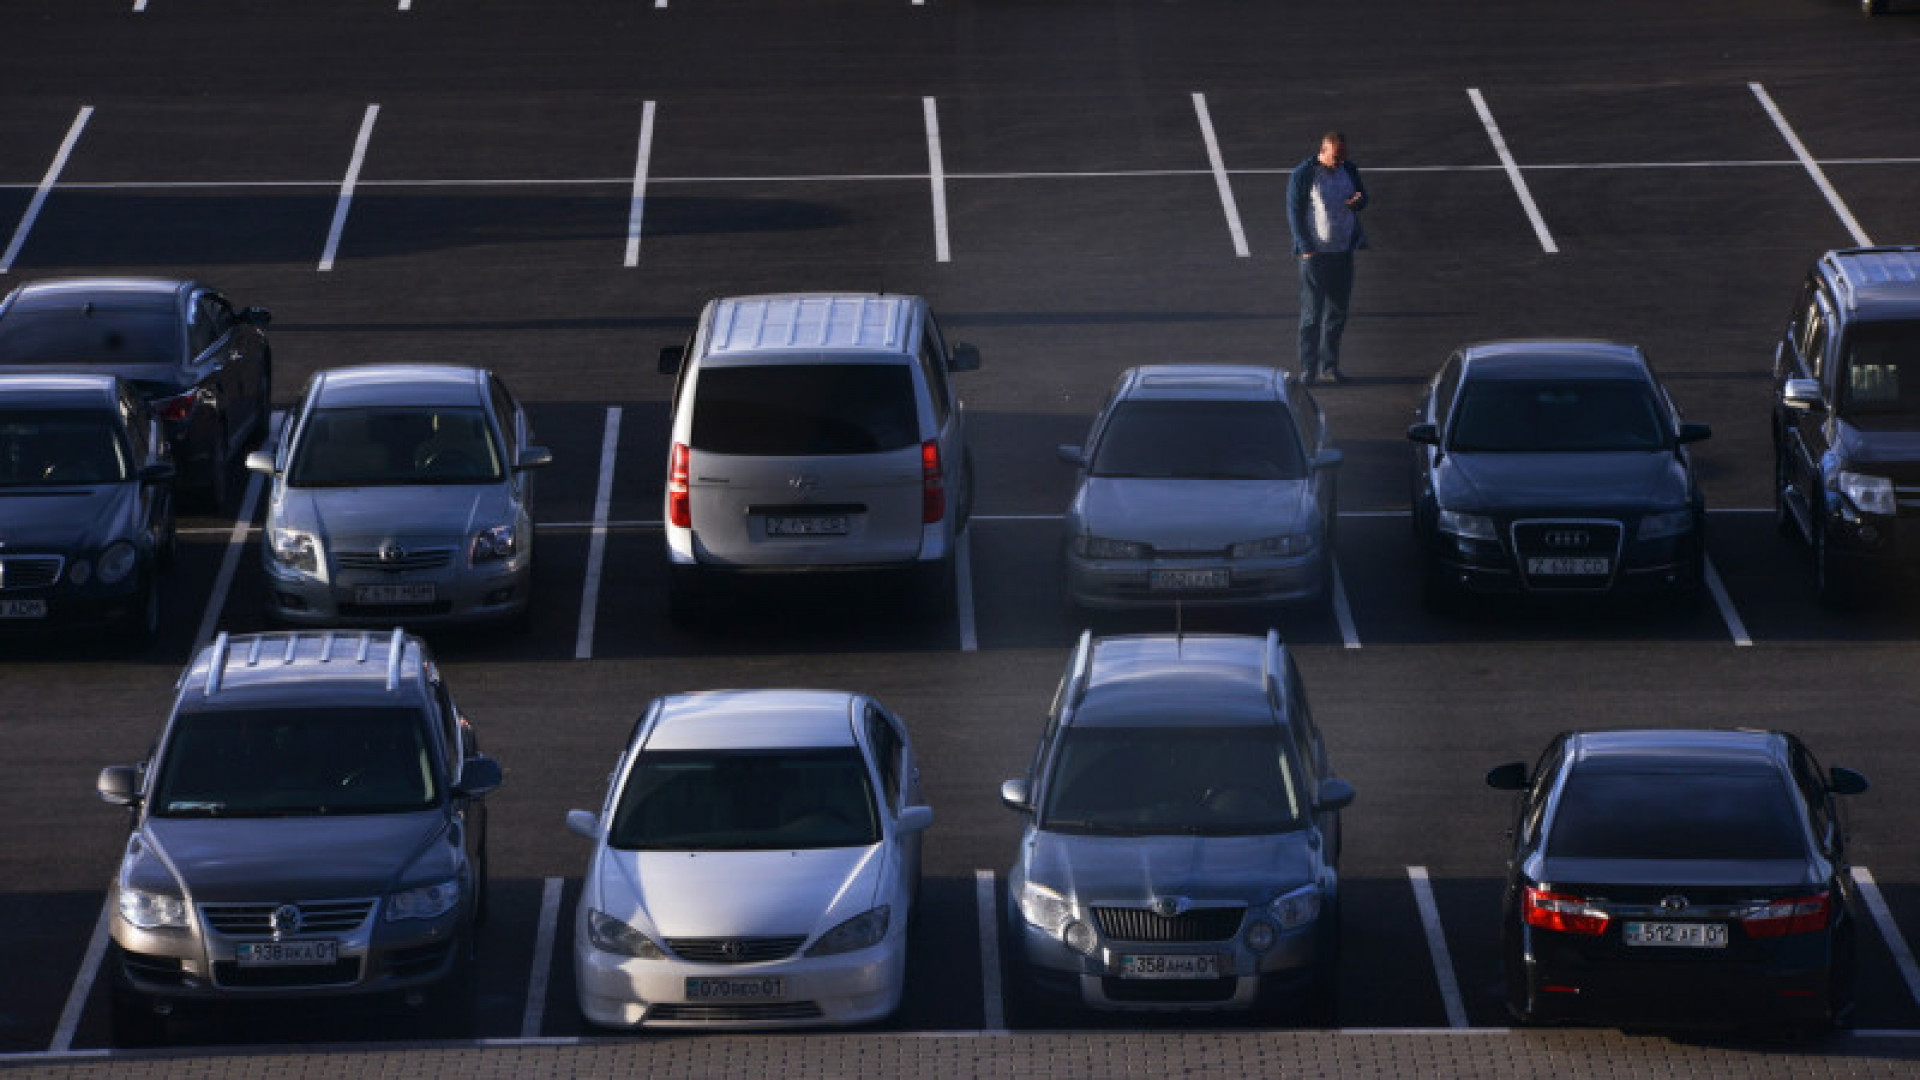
[(393, 594), (276, 953), (1175, 966), (35, 608), (1680, 935), (736, 989), (1551, 567), (819, 525), (1186, 579)]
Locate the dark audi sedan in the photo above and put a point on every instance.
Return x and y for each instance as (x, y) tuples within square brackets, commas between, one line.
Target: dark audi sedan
[(202, 365), (1554, 467), (1678, 878)]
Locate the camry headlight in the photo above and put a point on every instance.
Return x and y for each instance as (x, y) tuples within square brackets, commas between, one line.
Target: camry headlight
[(1100, 547), (860, 932), (608, 934), (1667, 523), (1872, 494), (499, 542), (1272, 546), (425, 902), (147, 910), (116, 562), (1471, 526), (1296, 909), (295, 550)]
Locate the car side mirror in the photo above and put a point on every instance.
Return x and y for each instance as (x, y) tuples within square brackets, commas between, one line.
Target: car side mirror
[(1802, 394), (1017, 794), (1072, 455), (671, 358), (584, 823), (534, 457), (480, 775), (119, 785), (260, 461), (1424, 432), (1334, 794), (156, 472), (1329, 458), (965, 357), (254, 316), (916, 819), (1842, 781), (1509, 777), (1694, 432)]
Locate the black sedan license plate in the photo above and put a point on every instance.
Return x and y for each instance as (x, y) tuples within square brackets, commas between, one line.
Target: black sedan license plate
[(1170, 966), (1558, 567), (770, 989), (33, 608), (1677, 935), (822, 525), (277, 953)]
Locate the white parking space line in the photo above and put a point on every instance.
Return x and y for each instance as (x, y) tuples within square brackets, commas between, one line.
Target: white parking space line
[(347, 184), (597, 547), (46, 186), (937, 175), (1220, 178), (1342, 611), (1513, 171), (1437, 946), (1813, 167), (82, 984), (236, 543), (536, 1012), (963, 587), (1889, 930), (638, 204), (1727, 613), (992, 998)]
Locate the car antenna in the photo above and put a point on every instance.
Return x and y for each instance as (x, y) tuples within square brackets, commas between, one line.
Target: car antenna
[(1179, 625)]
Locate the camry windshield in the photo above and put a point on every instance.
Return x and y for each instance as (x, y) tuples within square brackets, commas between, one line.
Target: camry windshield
[(1655, 813), (295, 762), (390, 446), (1511, 415), (1207, 781), (1882, 384), (746, 800), (1214, 440), (55, 448)]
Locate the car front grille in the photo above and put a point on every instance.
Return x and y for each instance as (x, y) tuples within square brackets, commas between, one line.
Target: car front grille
[(736, 1011), (422, 559), (1907, 498), (1141, 924), (734, 950), (30, 571), (1567, 538), (317, 917)]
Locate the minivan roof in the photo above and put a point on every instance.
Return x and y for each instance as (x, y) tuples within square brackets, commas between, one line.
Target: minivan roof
[(811, 323)]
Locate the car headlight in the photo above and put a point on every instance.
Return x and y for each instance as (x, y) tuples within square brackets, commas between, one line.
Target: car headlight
[(116, 562), (147, 910), (1272, 546), (608, 934), (1099, 547), (425, 902), (295, 550), (1666, 523), (1872, 494), (499, 542), (1051, 912), (1296, 909), (863, 931), (1471, 526)]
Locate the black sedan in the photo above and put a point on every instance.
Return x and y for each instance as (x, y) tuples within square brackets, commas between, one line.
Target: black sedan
[(1555, 467), (203, 366), (86, 506), (1674, 878)]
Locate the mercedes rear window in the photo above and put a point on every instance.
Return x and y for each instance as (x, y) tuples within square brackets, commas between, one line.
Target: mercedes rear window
[(1672, 814), (803, 410)]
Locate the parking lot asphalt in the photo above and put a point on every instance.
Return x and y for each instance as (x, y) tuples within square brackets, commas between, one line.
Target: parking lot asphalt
[(1078, 187)]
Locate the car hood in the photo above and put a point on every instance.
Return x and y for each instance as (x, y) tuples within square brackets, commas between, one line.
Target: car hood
[(1524, 483), (1185, 514), (406, 512), (1129, 871), (737, 893), (65, 518), (298, 858)]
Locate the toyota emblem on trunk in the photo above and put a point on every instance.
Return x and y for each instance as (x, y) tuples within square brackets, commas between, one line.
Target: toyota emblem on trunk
[(1673, 905)]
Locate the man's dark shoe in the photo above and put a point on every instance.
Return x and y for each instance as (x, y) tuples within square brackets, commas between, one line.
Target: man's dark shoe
[(1337, 376)]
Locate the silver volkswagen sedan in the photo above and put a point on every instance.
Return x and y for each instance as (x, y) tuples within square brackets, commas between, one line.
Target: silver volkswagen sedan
[(1203, 485), (401, 494)]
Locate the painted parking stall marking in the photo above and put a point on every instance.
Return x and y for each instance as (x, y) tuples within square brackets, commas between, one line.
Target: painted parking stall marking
[(638, 204), (347, 185), (1221, 181), (1513, 172), (597, 547), (47, 182), (1437, 946), (937, 177), (1807, 162)]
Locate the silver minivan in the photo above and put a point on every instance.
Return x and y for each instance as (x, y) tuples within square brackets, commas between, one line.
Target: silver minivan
[(815, 432)]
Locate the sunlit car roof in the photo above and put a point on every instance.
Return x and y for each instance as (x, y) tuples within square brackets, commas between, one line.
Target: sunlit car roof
[(424, 384), (1541, 358), (1176, 679), (1660, 747), (759, 719)]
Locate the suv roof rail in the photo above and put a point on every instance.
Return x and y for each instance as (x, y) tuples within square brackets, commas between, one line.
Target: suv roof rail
[(1080, 672), (1272, 664), (396, 647), (287, 650), (217, 662)]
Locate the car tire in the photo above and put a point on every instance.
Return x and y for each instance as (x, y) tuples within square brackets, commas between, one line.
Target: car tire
[(141, 626), (213, 494), (1830, 585), (453, 1004), (132, 1021), (1437, 594), (1783, 518)]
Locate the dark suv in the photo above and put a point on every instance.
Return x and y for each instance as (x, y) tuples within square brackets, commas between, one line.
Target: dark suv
[(1846, 419)]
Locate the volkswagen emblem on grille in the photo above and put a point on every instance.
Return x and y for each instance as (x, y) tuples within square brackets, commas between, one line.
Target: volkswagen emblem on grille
[(733, 950), (802, 485), (391, 552), (1168, 906), (1673, 905), (1567, 538), (284, 920)]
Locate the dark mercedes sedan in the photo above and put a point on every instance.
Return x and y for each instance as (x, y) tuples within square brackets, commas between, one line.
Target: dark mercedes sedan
[(1676, 878), (202, 365), (1554, 467)]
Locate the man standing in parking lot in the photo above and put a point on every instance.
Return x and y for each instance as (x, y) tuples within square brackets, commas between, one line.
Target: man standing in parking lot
[(1324, 199)]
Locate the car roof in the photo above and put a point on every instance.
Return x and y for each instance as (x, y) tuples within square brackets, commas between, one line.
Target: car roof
[(1688, 749), (1203, 382), (753, 719), (1175, 680), (59, 387), (400, 384), (1557, 358), (306, 668), (1881, 282), (808, 325), (124, 293)]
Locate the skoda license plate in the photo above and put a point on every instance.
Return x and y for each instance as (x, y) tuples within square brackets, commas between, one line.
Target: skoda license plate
[(736, 989), (276, 953), (1679, 935), (1175, 966)]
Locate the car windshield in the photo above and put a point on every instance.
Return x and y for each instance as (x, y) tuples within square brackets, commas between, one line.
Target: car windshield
[(1512, 415), (1201, 440), (377, 447), (1877, 354), (746, 800), (60, 447), (1142, 781), (80, 333), (1654, 813), (296, 763), (803, 410)]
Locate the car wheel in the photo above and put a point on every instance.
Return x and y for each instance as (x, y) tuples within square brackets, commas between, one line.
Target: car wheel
[(141, 626), (452, 1004), (168, 550), (134, 1022), (1830, 586), (219, 474), (1440, 596), (1783, 518)]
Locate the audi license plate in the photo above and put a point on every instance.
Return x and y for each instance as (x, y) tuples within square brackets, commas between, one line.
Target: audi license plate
[(813, 525), (1558, 567), (1175, 966), (1682, 935), (771, 989), (35, 608), (393, 594), (1186, 579), (277, 953)]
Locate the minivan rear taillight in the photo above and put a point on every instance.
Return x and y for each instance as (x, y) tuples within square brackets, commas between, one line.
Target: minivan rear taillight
[(1563, 912), (679, 495), (1794, 915), (933, 484)]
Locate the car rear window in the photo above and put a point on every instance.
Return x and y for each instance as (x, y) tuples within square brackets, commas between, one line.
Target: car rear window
[(296, 762), (1671, 814), (1591, 415), (55, 447), (1216, 440), (746, 800), (87, 335), (799, 410)]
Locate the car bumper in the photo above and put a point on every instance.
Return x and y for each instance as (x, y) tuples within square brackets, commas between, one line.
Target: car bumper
[(1107, 585), (491, 592), (1792, 980), (1247, 979), (1651, 567), (859, 987), (64, 608)]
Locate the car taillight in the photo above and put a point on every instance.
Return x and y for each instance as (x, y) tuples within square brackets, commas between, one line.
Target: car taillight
[(176, 408), (679, 494), (933, 484), (1563, 912), (1794, 915)]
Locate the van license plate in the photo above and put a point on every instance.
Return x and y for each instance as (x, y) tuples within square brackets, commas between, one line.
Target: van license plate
[(812, 525)]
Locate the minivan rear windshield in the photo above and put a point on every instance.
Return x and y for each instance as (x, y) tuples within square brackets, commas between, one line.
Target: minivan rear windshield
[(800, 410)]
